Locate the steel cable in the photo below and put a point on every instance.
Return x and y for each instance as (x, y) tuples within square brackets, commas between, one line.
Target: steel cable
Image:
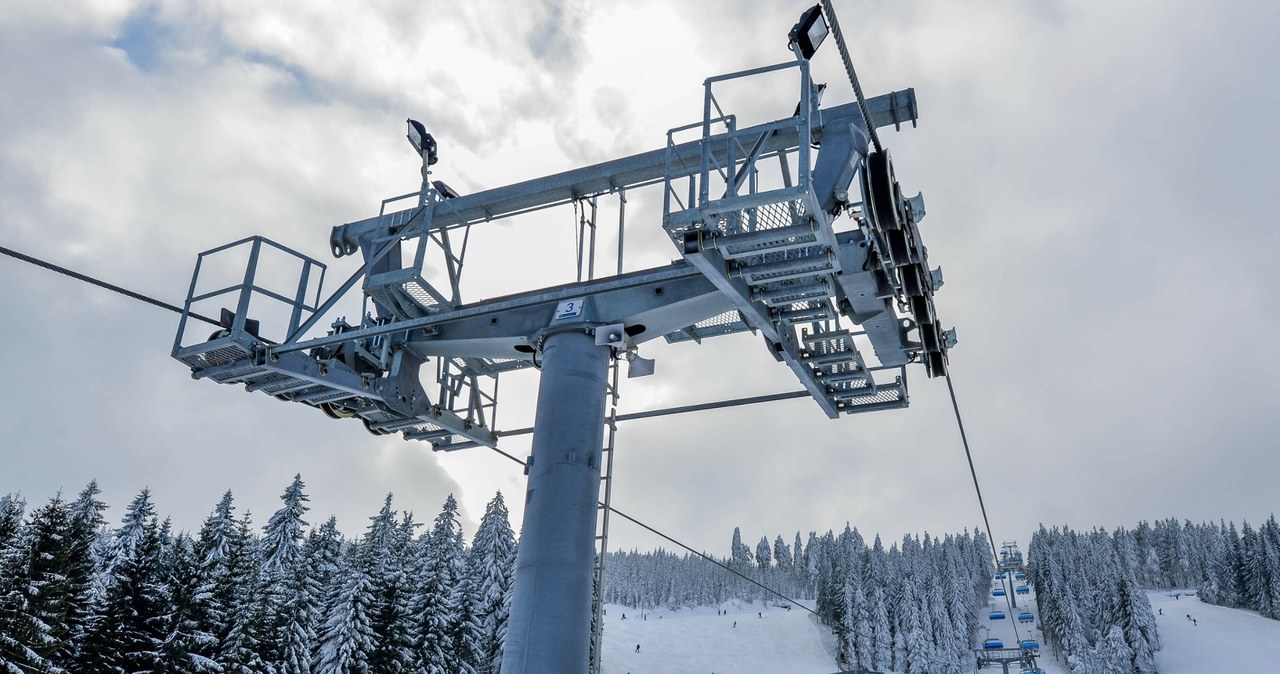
[(103, 284)]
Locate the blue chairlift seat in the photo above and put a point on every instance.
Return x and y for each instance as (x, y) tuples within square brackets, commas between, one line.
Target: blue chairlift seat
[(1020, 575), (998, 592), (997, 615), (999, 576), (1022, 589), (1026, 617), (992, 644), (1032, 671), (1029, 644)]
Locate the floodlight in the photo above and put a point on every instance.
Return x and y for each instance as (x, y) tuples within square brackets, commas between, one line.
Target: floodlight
[(422, 141), (809, 32), (445, 191)]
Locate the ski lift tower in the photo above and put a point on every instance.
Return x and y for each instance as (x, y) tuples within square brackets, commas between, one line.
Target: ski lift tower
[(775, 238), (1010, 557), (1010, 562)]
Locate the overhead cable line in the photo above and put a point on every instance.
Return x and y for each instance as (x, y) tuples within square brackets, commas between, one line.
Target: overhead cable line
[(853, 75), (964, 438), (713, 560), (103, 284)]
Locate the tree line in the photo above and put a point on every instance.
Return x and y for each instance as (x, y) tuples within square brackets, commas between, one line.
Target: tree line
[(1093, 606), (79, 596), (1236, 568), (910, 608)]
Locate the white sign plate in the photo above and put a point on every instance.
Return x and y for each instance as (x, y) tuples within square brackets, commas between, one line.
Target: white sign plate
[(568, 309)]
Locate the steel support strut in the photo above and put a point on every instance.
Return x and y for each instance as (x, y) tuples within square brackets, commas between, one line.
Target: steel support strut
[(549, 627)]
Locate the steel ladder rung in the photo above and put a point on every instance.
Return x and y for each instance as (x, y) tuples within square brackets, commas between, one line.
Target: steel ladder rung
[(790, 294), (842, 377), (828, 358), (806, 315), (843, 336), (803, 263)]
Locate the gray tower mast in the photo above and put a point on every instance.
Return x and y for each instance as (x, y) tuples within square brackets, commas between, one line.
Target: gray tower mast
[(796, 230)]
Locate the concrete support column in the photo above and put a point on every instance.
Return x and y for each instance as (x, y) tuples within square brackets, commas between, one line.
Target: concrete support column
[(549, 630)]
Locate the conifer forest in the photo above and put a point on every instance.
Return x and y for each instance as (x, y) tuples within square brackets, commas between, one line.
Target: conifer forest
[(80, 593)]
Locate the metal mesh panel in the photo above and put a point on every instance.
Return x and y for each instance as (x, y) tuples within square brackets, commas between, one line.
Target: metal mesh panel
[(879, 398), (416, 291), (214, 357), (722, 324), (378, 415), (236, 374), (409, 425), (274, 381), (727, 318), (761, 218)]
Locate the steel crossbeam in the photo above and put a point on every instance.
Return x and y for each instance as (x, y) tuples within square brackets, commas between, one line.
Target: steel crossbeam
[(646, 168)]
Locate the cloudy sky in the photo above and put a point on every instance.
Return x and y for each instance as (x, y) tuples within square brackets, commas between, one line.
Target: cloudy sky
[(1098, 179)]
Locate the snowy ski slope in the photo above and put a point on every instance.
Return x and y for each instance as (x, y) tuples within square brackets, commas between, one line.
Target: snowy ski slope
[(697, 641)]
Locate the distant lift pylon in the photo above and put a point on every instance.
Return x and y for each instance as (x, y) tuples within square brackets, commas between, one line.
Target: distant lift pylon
[(754, 213)]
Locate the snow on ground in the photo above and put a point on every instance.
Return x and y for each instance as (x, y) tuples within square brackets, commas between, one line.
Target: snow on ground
[(1222, 640), (697, 641)]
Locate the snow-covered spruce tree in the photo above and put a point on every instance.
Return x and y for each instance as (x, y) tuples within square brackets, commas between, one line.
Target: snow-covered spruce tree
[(919, 638), (346, 634), (960, 619), (322, 556), (243, 650), (740, 554), (799, 567), (782, 555), (85, 524), (129, 631), (828, 583), (1271, 535), (864, 638), (1111, 655), (388, 545), (215, 587), (491, 567), (764, 556), (126, 538), (466, 632), (844, 624), (1137, 624), (188, 609), (231, 588), (291, 590), (433, 607), (881, 632), (33, 593), (12, 506)]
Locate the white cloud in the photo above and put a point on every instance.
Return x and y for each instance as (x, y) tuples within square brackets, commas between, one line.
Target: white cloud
[(1097, 179)]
